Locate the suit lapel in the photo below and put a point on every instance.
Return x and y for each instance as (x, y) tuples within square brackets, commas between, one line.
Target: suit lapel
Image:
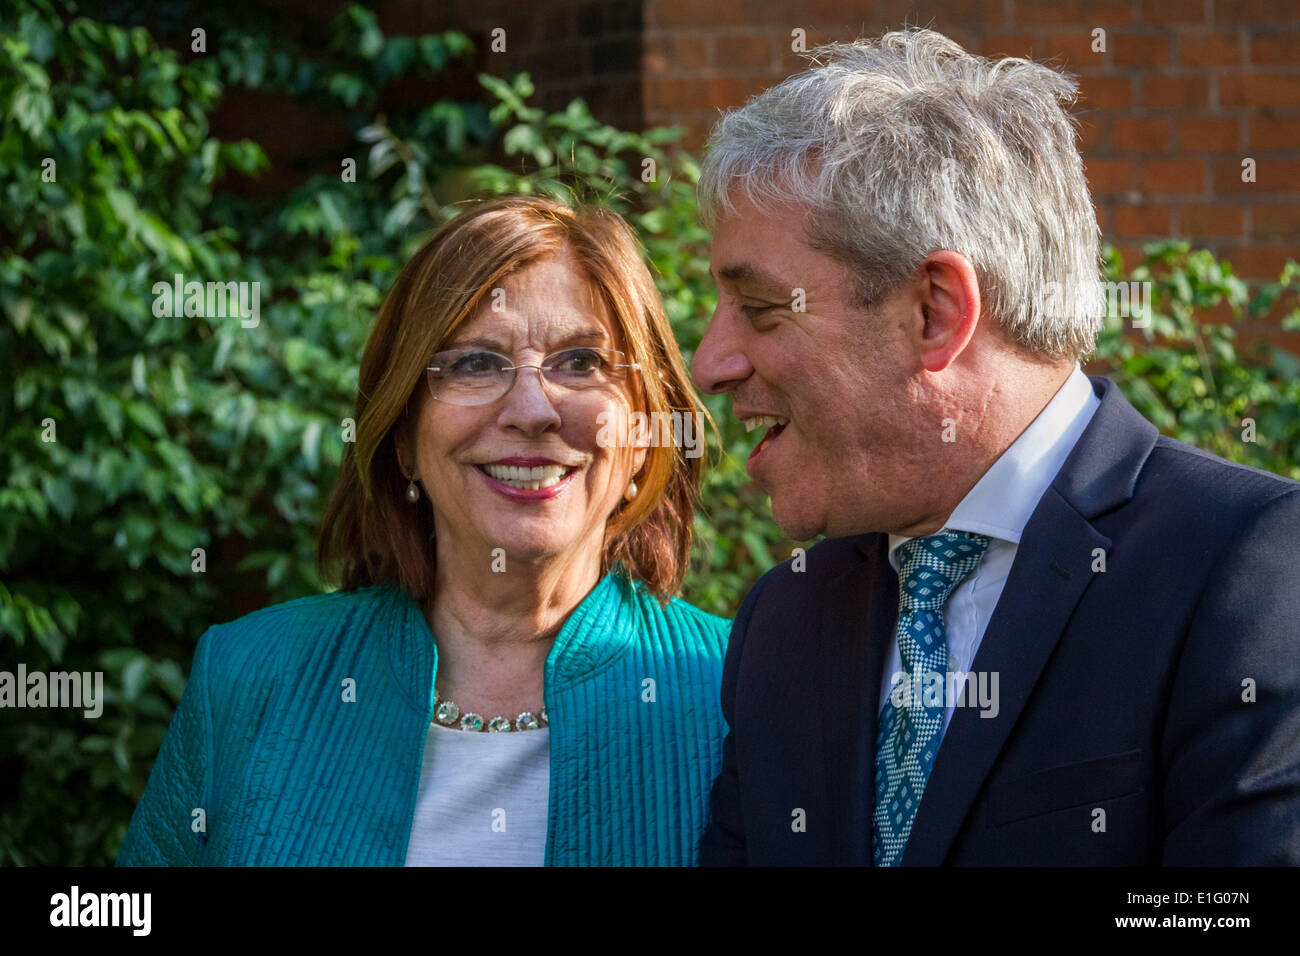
[(1051, 572), (857, 624), (1053, 568)]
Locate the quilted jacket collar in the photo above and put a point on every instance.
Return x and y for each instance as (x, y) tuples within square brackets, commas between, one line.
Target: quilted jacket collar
[(598, 631)]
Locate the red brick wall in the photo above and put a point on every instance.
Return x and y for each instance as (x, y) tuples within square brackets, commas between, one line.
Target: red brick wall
[(1184, 92), (570, 48)]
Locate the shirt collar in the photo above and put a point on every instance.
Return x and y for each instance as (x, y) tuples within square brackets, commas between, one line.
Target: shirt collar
[(1003, 500)]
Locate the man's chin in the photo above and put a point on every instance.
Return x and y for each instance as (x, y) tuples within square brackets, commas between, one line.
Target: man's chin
[(795, 522)]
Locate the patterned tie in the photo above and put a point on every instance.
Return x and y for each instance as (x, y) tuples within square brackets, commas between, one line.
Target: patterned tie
[(929, 570)]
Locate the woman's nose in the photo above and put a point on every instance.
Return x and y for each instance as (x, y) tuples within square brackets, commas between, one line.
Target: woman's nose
[(528, 405)]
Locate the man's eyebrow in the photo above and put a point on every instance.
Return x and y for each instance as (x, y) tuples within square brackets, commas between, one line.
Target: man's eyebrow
[(745, 274)]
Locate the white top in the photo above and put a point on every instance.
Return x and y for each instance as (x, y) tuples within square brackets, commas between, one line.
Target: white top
[(1000, 506), (482, 799)]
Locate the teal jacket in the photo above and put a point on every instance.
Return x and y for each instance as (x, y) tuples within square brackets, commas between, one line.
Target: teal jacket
[(299, 739)]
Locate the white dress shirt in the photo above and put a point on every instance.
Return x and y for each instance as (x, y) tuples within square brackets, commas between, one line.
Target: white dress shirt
[(1000, 506)]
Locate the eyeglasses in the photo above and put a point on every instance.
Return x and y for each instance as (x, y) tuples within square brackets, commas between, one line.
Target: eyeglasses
[(479, 377)]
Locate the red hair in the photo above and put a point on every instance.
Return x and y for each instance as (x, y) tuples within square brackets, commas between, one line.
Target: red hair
[(370, 534)]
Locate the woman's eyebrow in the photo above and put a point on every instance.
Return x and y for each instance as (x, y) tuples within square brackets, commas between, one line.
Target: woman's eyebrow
[(585, 335), (579, 336), (489, 344)]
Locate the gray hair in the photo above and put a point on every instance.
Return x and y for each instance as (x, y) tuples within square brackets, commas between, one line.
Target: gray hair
[(905, 144)]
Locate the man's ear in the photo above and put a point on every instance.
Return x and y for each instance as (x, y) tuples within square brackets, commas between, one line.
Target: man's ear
[(949, 300)]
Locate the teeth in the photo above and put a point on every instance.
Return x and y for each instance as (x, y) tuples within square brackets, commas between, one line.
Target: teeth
[(764, 421), (527, 479)]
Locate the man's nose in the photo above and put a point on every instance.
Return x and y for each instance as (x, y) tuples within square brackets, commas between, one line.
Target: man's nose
[(528, 406), (720, 363)]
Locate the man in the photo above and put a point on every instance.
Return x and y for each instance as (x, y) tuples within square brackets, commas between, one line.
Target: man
[(906, 257)]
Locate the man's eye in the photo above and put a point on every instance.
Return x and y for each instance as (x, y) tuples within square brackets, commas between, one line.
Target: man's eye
[(751, 311)]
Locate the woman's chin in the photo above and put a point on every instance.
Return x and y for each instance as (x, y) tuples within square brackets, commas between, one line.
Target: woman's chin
[(520, 547)]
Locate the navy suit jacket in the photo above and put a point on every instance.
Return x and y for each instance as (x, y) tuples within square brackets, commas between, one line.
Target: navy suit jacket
[(1125, 733)]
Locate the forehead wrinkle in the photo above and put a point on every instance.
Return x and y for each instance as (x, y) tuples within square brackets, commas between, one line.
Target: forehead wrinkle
[(542, 329), (551, 328)]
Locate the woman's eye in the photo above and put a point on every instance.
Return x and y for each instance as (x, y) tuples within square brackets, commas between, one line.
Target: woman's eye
[(581, 362), (476, 363)]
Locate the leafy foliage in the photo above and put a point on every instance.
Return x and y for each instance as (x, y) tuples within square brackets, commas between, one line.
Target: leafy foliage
[(174, 433), (170, 432), (1186, 375)]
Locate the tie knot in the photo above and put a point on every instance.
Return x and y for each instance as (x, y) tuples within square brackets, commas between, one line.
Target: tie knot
[(931, 567)]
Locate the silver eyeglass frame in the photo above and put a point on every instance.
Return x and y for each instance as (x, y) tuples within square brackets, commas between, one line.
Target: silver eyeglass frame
[(542, 369)]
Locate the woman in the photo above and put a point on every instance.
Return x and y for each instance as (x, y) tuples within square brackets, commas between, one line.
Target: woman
[(504, 677)]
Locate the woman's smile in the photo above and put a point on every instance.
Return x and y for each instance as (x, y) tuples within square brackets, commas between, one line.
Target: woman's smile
[(528, 478)]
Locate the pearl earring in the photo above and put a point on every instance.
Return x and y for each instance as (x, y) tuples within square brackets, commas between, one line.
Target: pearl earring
[(631, 491), (412, 492)]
